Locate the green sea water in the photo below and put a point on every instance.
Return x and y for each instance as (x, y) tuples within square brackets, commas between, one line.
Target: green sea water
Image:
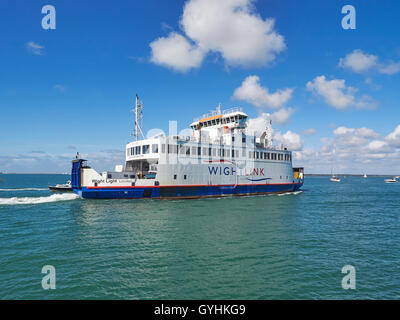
[(290, 246)]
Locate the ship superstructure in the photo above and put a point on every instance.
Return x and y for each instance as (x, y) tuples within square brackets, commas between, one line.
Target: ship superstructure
[(217, 159)]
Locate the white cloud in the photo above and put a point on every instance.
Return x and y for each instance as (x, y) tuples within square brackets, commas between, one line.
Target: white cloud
[(390, 68), (282, 115), (35, 48), (176, 52), (394, 137), (353, 150), (309, 132), (256, 126), (361, 62), (44, 162), (252, 92), (234, 29), (60, 87), (358, 61), (343, 130), (367, 133), (290, 140), (231, 28), (338, 95), (377, 146)]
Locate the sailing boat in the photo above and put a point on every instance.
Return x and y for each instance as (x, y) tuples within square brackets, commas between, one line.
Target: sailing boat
[(365, 175), (392, 180), (334, 178)]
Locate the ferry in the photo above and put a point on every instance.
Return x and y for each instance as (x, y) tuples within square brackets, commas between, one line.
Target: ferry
[(218, 159)]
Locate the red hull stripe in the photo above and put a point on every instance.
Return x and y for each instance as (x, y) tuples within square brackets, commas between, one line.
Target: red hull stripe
[(192, 185)]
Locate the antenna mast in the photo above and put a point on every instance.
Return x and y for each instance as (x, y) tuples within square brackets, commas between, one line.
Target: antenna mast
[(138, 118), (269, 133)]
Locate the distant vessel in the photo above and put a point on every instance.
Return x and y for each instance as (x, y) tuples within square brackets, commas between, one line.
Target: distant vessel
[(217, 159), (365, 175), (62, 187), (392, 180), (335, 179)]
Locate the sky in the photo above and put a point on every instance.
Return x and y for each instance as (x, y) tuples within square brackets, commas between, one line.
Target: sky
[(332, 93)]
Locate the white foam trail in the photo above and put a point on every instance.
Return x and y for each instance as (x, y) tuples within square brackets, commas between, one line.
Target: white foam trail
[(25, 189), (38, 200), (287, 193)]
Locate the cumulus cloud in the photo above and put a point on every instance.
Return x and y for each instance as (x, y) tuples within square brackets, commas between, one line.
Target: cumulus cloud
[(35, 48), (358, 61), (282, 115), (45, 162), (309, 132), (354, 150), (176, 52), (394, 137), (390, 68), (336, 94), (343, 130), (361, 62), (231, 28), (290, 140), (377, 146), (252, 92), (257, 125)]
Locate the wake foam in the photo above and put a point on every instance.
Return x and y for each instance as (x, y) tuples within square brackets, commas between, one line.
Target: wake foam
[(38, 200), (287, 193), (25, 189)]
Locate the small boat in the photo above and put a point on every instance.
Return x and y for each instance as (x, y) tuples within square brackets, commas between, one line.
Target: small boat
[(365, 175), (335, 179), (61, 187), (391, 180)]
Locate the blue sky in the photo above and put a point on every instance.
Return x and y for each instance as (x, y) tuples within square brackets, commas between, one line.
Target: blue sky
[(71, 89)]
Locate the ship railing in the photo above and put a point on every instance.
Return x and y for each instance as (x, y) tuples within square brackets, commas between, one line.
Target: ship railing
[(153, 167), (215, 113)]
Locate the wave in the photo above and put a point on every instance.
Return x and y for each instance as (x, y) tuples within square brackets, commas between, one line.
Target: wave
[(287, 193), (38, 200), (24, 189)]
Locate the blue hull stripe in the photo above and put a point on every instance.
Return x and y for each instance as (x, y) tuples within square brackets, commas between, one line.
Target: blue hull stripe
[(183, 191)]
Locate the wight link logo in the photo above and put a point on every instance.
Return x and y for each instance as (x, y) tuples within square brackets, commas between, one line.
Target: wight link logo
[(349, 280), (49, 280), (49, 20), (349, 20)]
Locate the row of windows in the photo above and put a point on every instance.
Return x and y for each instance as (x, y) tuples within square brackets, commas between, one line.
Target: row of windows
[(145, 149), (270, 156), (207, 151), (214, 152), (213, 122)]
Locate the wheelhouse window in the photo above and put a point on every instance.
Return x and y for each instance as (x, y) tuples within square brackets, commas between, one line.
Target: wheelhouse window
[(137, 150), (163, 148), (154, 148), (146, 149)]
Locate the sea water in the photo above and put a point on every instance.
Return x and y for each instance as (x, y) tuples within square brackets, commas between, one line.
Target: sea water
[(287, 246)]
